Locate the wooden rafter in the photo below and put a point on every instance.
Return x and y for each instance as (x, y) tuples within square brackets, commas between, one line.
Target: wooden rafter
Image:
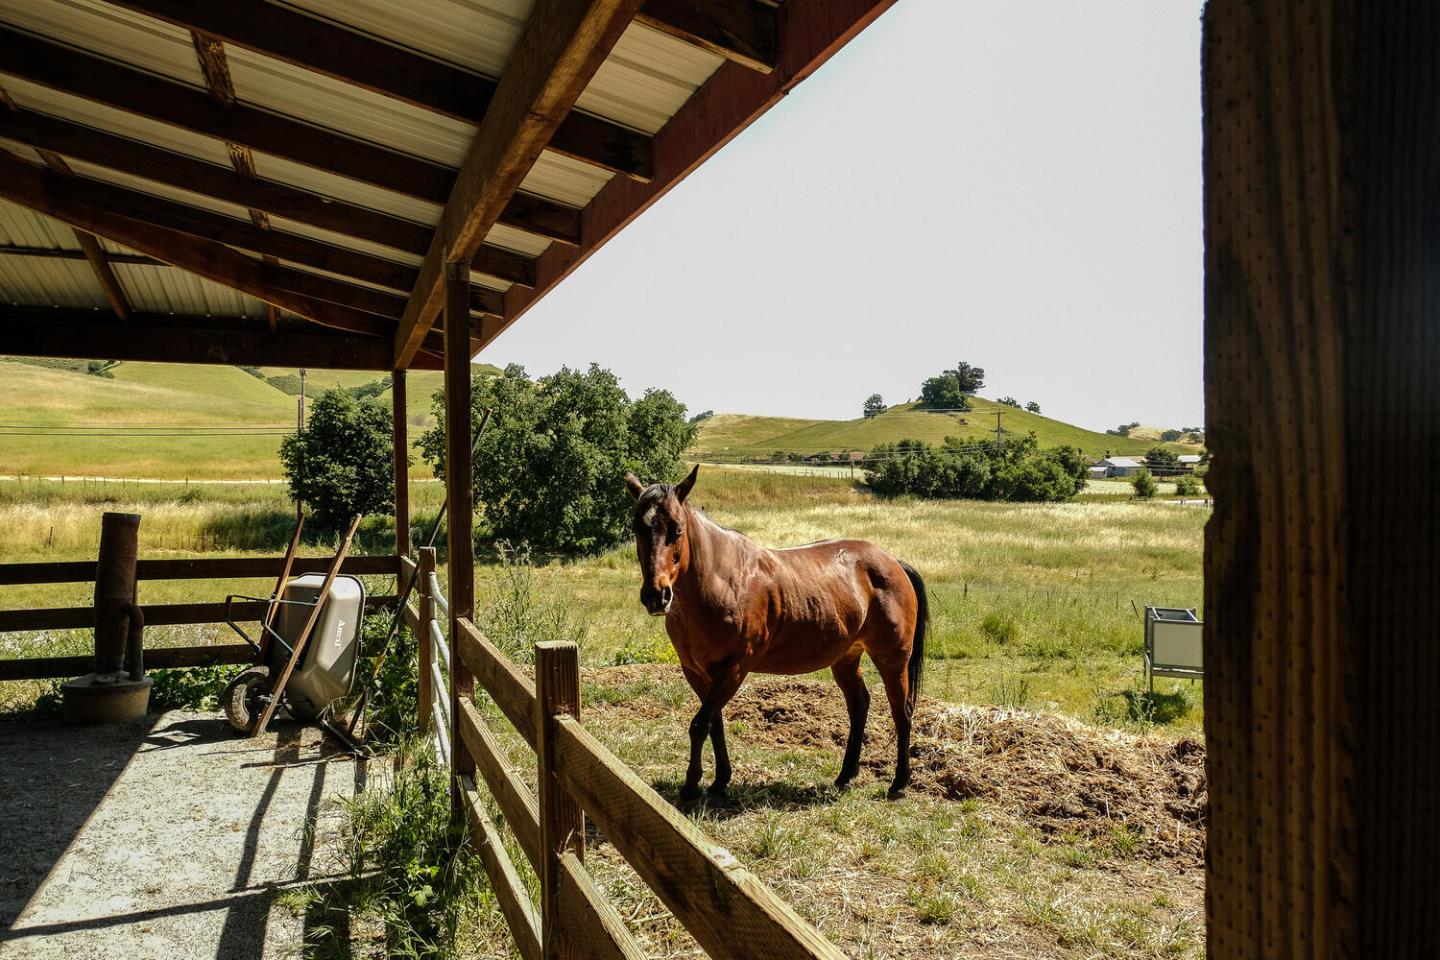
[(562, 46), (90, 247), (45, 193), (51, 332), (601, 143), (531, 214), (206, 225), (56, 253), (742, 31), (810, 32), (527, 213)]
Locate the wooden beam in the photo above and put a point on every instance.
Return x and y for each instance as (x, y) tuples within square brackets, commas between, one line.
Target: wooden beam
[(1322, 572), (103, 81), (401, 448), (393, 71), (56, 253), (48, 332), (460, 517), (205, 225), (809, 33), (48, 193), (742, 31), (524, 212), (90, 247), (104, 274), (562, 46)]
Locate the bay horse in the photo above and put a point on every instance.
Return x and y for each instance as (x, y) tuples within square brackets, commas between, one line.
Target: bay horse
[(732, 608)]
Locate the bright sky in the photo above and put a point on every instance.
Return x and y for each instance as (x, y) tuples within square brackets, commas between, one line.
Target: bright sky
[(1014, 184)]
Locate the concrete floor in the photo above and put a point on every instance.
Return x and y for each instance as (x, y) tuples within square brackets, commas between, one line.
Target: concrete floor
[(165, 837)]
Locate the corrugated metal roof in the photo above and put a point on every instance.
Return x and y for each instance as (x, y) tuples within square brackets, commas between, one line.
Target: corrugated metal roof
[(20, 227), (49, 282), (167, 290), (647, 77), (111, 31)]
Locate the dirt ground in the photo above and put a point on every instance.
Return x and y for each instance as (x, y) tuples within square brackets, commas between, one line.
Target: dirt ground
[(165, 837)]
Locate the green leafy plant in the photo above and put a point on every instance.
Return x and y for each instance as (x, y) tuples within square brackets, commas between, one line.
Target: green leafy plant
[(342, 464), (549, 472), (190, 688), (1144, 485)]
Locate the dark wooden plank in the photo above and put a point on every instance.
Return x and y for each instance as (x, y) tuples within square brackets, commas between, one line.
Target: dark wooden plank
[(460, 507), (726, 907), (59, 254), (810, 32), (512, 691), (393, 71), (1322, 578), (44, 668), (587, 925), (199, 568), (400, 451), (511, 795), (562, 823), (510, 894), (562, 46), (79, 334), (156, 614), (742, 31), (104, 81), (104, 275), (53, 195)]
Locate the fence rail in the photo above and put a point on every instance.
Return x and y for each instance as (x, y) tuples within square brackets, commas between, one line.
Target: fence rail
[(728, 910)]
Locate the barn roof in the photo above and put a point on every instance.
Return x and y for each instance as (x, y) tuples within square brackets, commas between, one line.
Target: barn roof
[(258, 182)]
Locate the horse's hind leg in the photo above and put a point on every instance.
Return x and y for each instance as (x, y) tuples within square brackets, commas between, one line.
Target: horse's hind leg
[(857, 704), (723, 684), (897, 690)]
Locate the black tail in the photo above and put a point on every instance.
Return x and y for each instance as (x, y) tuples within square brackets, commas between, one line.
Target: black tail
[(922, 620)]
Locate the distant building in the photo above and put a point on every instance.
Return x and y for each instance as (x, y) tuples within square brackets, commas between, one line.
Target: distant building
[(1121, 466)]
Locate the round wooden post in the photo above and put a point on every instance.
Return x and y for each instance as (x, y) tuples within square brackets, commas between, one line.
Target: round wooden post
[(562, 823), (460, 491), (425, 646), (114, 587), (401, 443)]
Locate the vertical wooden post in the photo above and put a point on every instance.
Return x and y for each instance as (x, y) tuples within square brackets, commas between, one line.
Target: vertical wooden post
[(1322, 571), (426, 646), (459, 486), (401, 442), (562, 823)]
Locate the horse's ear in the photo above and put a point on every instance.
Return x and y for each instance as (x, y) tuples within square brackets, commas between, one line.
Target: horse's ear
[(682, 489), (633, 484)]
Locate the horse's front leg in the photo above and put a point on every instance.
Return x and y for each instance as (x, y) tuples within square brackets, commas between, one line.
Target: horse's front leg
[(708, 721)]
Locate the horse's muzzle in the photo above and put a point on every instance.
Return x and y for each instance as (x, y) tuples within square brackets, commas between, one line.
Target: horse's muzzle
[(657, 600)]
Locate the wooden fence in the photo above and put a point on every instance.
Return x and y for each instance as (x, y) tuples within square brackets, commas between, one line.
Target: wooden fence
[(157, 615), (724, 906)]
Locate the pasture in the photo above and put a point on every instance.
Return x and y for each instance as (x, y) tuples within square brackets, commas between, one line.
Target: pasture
[(1034, 667)]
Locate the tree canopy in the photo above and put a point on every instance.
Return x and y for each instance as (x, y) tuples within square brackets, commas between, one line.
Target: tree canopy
[(952, 389), (343, 463), (874, 406)]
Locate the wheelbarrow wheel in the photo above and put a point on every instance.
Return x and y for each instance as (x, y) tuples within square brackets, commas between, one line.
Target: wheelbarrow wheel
[(242, 700)]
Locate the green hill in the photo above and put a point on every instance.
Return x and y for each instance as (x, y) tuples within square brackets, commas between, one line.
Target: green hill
[(736, 435), (165, 421)]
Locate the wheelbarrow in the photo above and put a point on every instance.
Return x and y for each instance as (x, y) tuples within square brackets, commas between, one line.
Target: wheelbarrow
[(308, 648)]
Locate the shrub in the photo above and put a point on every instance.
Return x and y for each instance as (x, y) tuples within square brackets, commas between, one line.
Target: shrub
[(1001, 627), (549, 472), (1017, 471), (368, 391), (1162, 461), (874, 406), (286, 383), (342, 464), (1032, 407), (190, 688), (1010, 402), (702, 415), (1170, 436), (1187, 486), (1145, 485)]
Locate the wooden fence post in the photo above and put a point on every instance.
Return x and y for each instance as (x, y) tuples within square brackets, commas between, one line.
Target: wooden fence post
[(426, 647), (460, 525), (562, 823)]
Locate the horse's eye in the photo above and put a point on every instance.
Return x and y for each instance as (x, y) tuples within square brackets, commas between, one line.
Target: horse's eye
[(672, 533)]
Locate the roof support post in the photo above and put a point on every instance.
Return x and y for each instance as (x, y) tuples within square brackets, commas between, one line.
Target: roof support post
[(1322, 572), (401, 441), (460, 491)]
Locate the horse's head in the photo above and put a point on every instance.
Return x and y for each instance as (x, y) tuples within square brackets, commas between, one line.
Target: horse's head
[(659, 523)]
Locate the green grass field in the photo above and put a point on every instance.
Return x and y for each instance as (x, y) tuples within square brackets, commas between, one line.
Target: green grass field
[(1034, 609), (737, 435)]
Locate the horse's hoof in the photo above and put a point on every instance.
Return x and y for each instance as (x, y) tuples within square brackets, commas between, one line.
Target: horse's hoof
[(896, 793), (842, 782), (691, 791), (719, 791)]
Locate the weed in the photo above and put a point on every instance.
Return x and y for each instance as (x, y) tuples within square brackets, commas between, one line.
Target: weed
[(1001, 627), (1010, 691), (932, 905), (191, 688)]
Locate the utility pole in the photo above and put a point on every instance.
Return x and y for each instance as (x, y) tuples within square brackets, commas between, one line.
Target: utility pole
[(299, 429), (998, 431)]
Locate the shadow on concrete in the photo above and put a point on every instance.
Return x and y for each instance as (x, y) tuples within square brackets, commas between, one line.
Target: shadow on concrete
[(55, 777)]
